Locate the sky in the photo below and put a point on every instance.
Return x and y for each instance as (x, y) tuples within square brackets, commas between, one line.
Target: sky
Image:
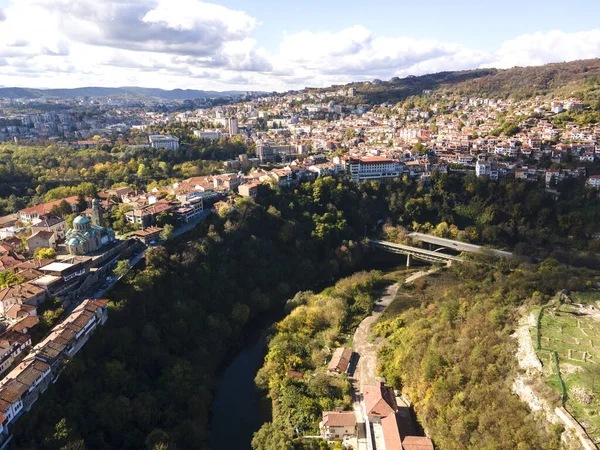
[(280, 45)]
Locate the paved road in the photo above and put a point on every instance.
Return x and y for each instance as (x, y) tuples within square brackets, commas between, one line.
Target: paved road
[(457, 245)]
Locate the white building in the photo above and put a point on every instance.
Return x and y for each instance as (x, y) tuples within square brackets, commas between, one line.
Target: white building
[(232, 126), (213, 135), (486, 169), (594, 181), (163, 141), (371, 168)]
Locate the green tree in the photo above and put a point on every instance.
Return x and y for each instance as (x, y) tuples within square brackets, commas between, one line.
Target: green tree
[(271, 437), (122, 268), (44, 253), (167, 232)]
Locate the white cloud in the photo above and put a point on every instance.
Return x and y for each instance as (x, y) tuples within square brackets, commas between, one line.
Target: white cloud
[(197, 44), (542, 48)]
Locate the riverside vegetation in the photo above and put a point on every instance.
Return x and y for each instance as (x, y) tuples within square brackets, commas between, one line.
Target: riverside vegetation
[(316, 325)]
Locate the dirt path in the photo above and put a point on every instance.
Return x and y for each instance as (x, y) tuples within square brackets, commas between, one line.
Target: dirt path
[(366, 368)]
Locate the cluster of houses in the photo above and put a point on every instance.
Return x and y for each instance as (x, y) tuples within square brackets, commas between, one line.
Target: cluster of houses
[(387, 424), (22, 385)]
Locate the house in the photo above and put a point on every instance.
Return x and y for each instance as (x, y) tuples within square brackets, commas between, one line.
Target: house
[(340, 361), (382, 411), (11, 244), (146, 215), (41, 239), (12, 345), (53, 224), (10, 260), (18, 312), (148, 235), (594, 181), (380, 401), (25, 293), (248, 190), (29, 214), (24, 325), (337, 425)]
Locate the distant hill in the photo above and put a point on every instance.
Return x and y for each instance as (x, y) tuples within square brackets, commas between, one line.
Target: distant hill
[(518, 82), (176, 94)]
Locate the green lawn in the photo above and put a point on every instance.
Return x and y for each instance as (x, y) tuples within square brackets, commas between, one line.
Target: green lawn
[(574, 332)]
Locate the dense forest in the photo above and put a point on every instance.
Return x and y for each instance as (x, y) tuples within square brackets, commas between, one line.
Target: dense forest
[(518, 83)]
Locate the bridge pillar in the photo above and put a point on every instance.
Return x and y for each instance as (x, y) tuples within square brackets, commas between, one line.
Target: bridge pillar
[(408, 258)]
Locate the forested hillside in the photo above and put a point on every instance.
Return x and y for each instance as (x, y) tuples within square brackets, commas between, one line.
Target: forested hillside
[(450, 350), (518, 83)]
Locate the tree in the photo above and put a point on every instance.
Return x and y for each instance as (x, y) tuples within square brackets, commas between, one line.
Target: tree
[(122, 268), (65, 208), (44, 253), (271, 437), (167, 232), (9, 278)]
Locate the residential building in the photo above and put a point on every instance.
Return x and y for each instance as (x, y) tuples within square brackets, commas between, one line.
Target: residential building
[(486, 169), (594, 181), (23, 385), (28, 215), (12, 346), (248, 190), (41, 239), (190, 210), (56, 225), (24, 293), (337, 425), (164, 141), (266, 152), (213, 135), (148, 235), (340, 360), (232, 123)]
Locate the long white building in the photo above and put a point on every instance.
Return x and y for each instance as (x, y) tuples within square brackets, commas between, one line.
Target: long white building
[(164, 141), (361, 168)]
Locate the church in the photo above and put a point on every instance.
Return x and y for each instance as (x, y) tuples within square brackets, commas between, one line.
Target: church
[(88, 236)]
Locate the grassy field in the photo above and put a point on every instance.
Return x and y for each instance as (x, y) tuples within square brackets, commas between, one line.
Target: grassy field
[(574, 332)]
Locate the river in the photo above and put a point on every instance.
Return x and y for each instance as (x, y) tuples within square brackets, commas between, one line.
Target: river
[(237, 411)]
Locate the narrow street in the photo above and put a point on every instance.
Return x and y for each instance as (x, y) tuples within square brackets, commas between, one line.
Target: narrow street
[(365, 371)]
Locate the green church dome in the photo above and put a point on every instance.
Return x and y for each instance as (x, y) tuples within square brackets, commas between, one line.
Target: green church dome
[(81, 220), (73, 241)]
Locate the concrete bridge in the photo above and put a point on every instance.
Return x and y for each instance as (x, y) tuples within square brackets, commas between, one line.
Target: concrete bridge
[(416, 252), (458, 245)]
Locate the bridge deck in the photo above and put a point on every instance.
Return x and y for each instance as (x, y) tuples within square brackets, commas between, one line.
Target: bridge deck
[(427, 255)]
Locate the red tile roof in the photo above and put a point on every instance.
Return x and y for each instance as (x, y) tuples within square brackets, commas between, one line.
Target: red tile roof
[(380, 400), (339, 419), (340, 360), (417, 443)]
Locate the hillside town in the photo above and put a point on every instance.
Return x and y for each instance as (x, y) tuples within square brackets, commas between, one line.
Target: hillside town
[(310, 134), (59, 257)]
